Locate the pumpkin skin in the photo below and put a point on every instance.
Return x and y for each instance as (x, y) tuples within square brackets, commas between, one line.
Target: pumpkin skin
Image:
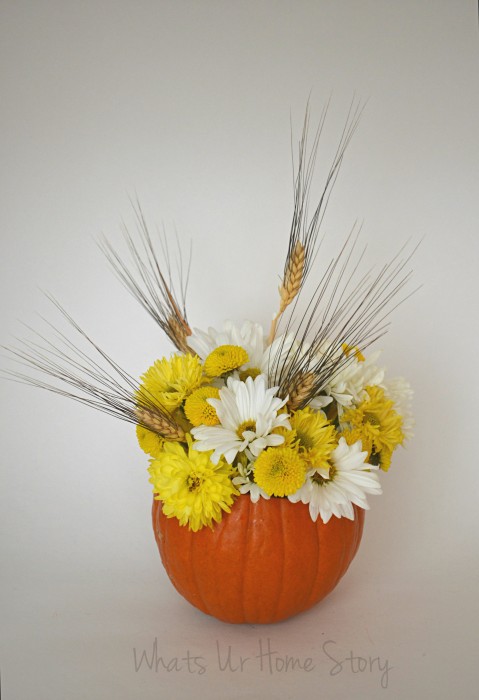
[(264, 561)]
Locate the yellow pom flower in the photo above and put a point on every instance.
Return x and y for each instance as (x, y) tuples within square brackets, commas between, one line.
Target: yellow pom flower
[(150, 442), (224, 359), (377, 425), (169, 381), (198, 410), (280, 471), (191, 488), (316, 437)]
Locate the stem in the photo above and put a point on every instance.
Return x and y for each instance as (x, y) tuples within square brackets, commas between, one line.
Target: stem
[(274, 324)]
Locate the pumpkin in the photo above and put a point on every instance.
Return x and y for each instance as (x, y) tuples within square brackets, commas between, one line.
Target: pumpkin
[(264, 561)]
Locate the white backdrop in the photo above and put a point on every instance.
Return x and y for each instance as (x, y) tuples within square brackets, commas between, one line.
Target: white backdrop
[(188, 104)]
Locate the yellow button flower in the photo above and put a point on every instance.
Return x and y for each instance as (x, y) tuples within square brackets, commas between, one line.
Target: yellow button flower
[(198, 410), (225, 359), (279, 471)]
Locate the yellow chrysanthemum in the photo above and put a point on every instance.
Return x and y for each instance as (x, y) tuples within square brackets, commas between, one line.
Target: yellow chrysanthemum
[(316, 437), (385, 457), (381, 458), (191, 488), (169, 381), (150, 442), (377, 425), (224, 359), (198, 410), (280, 471)]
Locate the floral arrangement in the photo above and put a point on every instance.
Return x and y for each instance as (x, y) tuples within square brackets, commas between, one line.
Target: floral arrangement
[(235, 432), (301, 413)]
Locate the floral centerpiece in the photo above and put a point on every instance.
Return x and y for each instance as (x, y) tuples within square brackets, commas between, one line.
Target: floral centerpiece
[(263, 445), (235, 433)]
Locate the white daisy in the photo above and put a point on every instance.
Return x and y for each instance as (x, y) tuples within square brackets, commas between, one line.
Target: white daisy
[(401, 393), (248, 413), (349, 479), (245, 484)]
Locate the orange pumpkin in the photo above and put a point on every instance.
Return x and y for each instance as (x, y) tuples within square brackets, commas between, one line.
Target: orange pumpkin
[(264, 561)]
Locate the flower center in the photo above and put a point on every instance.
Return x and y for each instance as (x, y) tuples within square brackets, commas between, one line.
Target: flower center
[(318, 479), (245, 425), (371, 418), (305, 440), (252, 372), (193, 483), (279, 466)]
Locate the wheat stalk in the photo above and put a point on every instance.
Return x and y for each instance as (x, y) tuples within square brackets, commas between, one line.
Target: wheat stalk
[(303, 238), (147, 274), (345, 308), (293, 278), (92, 378), (291, 284), (299, 391), (158, 423), (179, 332)]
